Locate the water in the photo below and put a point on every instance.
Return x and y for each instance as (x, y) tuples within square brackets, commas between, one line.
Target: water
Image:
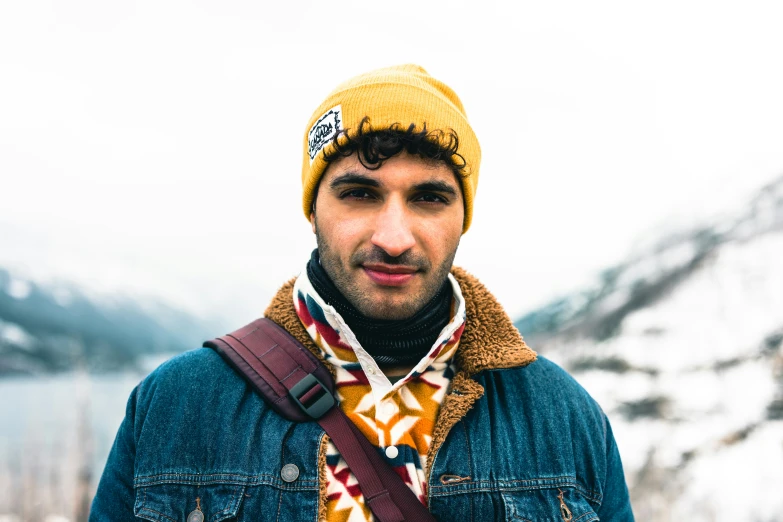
[(55, 435)]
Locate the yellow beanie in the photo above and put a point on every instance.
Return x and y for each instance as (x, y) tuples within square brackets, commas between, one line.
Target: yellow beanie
[(403, 94)]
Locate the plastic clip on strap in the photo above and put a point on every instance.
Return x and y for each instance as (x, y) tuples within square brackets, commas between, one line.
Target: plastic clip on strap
[(296, 385), (312, 396)]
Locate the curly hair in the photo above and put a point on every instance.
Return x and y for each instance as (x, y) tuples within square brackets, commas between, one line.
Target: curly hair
[(375, 147)]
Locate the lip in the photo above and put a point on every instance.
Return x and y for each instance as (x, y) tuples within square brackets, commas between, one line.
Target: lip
[(389, 275)]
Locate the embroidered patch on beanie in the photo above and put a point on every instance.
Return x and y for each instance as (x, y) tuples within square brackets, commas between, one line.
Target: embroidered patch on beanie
[(324, 131)]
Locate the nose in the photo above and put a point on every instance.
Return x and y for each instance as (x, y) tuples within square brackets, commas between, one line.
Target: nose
[(392, 229)]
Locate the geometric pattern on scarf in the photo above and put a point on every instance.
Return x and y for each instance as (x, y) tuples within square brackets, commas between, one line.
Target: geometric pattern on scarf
[(399, 415)]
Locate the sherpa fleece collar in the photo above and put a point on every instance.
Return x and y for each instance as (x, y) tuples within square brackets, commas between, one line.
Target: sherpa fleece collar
[(490, 340)]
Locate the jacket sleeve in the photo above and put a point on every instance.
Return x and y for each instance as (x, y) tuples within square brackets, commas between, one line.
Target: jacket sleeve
[(115, 497), (616, 505)]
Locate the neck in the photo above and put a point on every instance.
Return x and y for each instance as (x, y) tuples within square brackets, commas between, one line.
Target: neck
[(392, 343)]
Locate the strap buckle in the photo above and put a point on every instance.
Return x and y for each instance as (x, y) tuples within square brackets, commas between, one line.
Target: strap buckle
[(312, 396)]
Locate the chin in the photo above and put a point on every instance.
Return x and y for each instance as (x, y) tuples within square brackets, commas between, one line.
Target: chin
[(385, 310)]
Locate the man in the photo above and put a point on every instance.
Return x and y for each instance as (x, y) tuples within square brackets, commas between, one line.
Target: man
[(426, 362)]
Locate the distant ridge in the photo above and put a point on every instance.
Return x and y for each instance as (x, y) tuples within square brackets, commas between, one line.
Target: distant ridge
[(54, 328), (597, 312)]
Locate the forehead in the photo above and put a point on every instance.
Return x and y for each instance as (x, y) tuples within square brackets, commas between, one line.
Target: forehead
[(402, 169)]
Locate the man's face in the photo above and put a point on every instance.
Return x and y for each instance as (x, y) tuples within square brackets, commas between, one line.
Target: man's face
[(387, 237)]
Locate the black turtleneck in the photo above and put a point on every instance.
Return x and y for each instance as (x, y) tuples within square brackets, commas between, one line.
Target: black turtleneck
[(390, 342)]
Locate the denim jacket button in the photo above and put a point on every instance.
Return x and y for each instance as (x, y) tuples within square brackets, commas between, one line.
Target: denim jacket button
[(289, 473)]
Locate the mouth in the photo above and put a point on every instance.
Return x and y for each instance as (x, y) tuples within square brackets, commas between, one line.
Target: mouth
[(389, 275)]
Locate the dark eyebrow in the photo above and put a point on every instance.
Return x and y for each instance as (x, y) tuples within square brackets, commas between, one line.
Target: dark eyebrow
[(435, 186), (351, 178)]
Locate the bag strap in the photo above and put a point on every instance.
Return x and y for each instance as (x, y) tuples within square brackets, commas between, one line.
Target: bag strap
[(298, 387)]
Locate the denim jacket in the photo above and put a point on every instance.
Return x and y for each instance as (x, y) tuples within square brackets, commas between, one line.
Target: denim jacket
[(516, 439)]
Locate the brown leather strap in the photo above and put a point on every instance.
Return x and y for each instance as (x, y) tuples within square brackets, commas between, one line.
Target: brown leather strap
[(262, 353), (296, 385)]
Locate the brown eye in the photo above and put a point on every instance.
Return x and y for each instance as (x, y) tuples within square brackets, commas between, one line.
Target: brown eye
[(356, 194), (431, 198)]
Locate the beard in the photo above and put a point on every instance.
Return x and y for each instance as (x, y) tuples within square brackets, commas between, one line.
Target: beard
[(383, 303)]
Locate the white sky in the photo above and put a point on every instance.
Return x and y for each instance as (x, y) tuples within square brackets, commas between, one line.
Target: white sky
[(154, 146)]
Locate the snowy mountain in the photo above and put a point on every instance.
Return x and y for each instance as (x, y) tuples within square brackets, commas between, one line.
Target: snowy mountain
[(682, 345), (57, 327)]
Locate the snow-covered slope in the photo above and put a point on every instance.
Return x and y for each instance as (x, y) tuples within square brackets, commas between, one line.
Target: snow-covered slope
[(682, 346), (51, 327)]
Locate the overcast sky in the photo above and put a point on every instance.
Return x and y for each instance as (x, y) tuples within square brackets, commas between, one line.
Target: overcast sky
[(154, 146)]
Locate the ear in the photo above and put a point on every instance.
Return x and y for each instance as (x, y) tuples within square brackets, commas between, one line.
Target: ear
[(312, 220)]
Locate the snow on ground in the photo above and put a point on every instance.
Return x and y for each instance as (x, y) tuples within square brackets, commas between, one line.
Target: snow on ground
[(701, 408), (16, 335), (720, 312), (737, 482), (692, 404)]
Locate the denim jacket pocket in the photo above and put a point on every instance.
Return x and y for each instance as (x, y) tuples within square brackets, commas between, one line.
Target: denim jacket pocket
[(548, 505), (175, 502)]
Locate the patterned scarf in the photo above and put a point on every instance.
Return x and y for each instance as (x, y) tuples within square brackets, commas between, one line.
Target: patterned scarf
[(398, 418)]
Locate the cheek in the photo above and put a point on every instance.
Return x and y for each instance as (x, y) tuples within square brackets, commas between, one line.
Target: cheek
[(342, 234), (441, 238)]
